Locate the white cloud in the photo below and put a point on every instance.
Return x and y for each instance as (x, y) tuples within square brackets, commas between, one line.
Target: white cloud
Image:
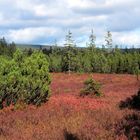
[(35, 21), (131, 37), (30, 34)]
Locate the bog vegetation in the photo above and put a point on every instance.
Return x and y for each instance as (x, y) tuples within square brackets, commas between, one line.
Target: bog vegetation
[(25, 79), (25, 74)]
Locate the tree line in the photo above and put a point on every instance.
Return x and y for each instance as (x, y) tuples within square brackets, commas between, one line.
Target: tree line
[(92, 59), (70, 58), (6, 48)]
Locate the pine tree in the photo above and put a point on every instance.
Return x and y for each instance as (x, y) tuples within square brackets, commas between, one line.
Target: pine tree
[(108, 40), (12, 49), (24, 79), (69, 53), (92, 39), (3, 46), (69, 40), (55, 43)]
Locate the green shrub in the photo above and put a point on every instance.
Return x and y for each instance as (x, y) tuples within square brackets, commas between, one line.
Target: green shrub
[(25, 79), (129, 126), (91, 88)]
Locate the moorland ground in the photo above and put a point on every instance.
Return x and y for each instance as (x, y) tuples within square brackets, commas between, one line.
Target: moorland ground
[(67, 115)]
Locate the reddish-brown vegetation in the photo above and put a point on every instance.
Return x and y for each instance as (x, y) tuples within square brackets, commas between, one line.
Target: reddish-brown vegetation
[(67, 115)]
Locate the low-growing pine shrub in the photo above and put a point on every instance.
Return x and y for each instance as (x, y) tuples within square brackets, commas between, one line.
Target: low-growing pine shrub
[(129, 126), (132, 102), (25, 79), (91, 88)]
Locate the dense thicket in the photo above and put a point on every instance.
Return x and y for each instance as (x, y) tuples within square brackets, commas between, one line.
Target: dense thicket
[(94, 60), (24, 79), (91, 59)]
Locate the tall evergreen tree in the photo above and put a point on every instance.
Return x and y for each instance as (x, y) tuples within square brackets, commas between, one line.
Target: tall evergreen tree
[(69, 53), (7, 48), (55, 43), (92, 39), (109, 41), (69, 40), (12, 49)]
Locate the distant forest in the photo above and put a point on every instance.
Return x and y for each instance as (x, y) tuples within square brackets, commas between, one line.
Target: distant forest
[(90, 59)]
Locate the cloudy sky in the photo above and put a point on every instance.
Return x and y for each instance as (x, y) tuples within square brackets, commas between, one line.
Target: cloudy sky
[(43, 21)]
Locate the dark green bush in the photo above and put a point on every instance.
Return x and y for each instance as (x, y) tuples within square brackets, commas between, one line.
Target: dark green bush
[(24, 79), (91, 88), (132, 102), (129, 126)]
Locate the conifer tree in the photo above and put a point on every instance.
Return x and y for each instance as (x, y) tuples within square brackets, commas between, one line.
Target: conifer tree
[(68, 58), (24, 79), (92, 39), (55, 43), (108, 40)]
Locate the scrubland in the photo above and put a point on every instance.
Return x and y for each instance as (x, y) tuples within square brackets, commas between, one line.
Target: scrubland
[(67, 116)]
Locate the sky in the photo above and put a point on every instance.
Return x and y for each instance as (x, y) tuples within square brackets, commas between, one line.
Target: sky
[(44, 21)]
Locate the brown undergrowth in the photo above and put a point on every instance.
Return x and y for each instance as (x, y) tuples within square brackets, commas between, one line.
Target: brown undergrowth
[(67, 116)]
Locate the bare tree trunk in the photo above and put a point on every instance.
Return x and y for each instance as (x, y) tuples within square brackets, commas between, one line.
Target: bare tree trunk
[(69, 65)]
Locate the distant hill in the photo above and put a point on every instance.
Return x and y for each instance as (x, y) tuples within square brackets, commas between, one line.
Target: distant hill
[(48, 47), (33, 46)]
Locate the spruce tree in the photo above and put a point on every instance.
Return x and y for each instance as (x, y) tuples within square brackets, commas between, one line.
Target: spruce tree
[(69, 58), (109, 41), (92, 39)]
